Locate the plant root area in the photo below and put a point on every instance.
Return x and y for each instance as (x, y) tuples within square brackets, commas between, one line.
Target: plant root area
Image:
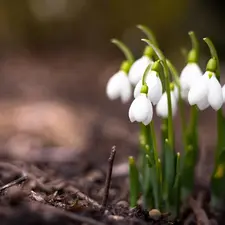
[(47, 192)]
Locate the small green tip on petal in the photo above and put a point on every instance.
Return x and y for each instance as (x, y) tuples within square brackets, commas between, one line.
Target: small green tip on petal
[(144, 89), (210, 75), (212, 65)]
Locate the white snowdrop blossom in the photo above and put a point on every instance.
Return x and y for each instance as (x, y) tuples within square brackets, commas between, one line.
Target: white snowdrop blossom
[(138, 68), (141, 110), (223, 91), (215, 93), (205, 92), (187, 78), (162, 106), (154, 87), (119, 86)]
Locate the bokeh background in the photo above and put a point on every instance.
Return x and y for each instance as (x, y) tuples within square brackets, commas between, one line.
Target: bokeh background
[(56, 58)]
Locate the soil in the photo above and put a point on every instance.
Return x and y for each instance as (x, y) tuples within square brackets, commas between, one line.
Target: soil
[(55, 192), (66, 185)]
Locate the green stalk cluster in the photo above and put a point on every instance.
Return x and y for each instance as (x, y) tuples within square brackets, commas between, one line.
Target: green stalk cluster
[(166, 181)]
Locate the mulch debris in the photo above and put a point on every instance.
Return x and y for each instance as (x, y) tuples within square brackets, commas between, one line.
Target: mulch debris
[(46, 193)]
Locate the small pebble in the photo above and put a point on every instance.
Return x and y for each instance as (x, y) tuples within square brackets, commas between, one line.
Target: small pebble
[(155, 214)]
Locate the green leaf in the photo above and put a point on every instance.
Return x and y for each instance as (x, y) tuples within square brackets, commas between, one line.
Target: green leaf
[(134, 182), (174, 198), (170, 170), (189, 160)]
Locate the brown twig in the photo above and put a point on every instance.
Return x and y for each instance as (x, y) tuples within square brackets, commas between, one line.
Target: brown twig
[(19, 170), (108, 176), (14, 182), (82, 196)]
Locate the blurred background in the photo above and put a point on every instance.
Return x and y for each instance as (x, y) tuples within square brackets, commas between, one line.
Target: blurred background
[(56, 58)]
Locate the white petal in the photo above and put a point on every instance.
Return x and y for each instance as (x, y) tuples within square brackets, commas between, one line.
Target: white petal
[(126, 88), (137, 69), (198, 91), (154, 87), (162, 106), (176, 92), (215, 95), (223, 90), (188, 75), (130, 114), (113, 86), (149, 118), (203, 104), (140, 108), (184, 93), (137, 89)]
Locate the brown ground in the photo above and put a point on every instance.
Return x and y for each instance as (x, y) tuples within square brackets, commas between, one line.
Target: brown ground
[(57, 127)]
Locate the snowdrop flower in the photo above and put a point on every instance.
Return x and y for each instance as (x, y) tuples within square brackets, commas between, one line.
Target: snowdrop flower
[(119, 86), (141, 110), (162, 106), (206, 91), (223, 91), (138, 68), (189, 74), (154, 87)]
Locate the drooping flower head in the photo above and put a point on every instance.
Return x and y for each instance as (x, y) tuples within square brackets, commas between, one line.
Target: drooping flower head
[(188, 76), (139, 66), (153, 82), (191, 71), (206, 91), (119, 85), (162, 106), (141, 108)]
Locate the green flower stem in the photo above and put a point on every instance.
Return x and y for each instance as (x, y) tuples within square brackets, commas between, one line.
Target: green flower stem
[(193, 121), (128, 54), (156, 168), (148, 68), (214, 55), (154, 142), (148, 32), (134, 182), (180, 102), (167, 83), (220, 117), (193, 55), (177, 186)]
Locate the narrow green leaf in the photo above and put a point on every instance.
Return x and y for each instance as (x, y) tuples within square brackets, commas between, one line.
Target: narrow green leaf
[(170, 166), (134, 182), (189, 160), (174, 198)]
